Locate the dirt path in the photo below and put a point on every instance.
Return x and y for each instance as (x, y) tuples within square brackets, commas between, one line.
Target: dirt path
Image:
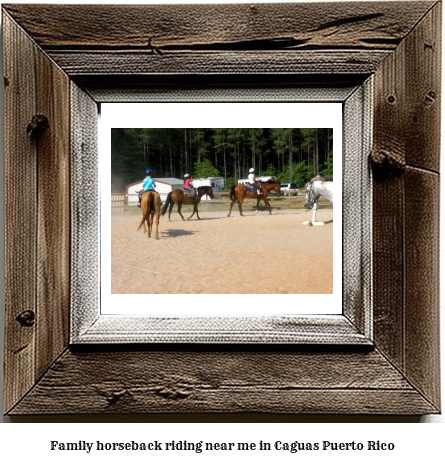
[(264, 254)]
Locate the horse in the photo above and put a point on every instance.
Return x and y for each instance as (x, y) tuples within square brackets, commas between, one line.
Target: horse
[(151, 205), (177, 196), (315, 188), (239, 193)]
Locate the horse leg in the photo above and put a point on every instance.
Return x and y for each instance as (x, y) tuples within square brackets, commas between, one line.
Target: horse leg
[(197, 212), (257, 205), (240, 203), (266, 202), (231, 205), (145, 229), (150, 225), (179, 210), (314, 215), (170, 210), (194, 210), (143, 220), (157, 225)]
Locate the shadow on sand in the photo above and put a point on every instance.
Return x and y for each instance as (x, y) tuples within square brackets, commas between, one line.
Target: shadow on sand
[(208, 219), (176, 233)]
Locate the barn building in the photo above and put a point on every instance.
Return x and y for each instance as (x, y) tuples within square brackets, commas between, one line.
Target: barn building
[(163, 186)]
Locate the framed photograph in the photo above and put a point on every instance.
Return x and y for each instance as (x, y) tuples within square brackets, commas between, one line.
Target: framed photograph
[(77, 317)]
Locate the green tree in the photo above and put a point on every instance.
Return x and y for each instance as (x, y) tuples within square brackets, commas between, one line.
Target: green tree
[(174, 151), (204, 169), (271, 171), (327, 169), (221, 145), (279, 144), (231, 181), (302, 173)]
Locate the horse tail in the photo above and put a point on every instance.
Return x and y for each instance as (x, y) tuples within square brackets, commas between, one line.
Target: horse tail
[(232, 193), (150, 200), (167, 203)]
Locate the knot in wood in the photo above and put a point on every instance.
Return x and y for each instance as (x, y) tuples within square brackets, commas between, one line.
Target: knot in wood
[(430, 97), (387, 162), (37, 126), (391, 99), (172, 393), (114, 397), (26, 318)]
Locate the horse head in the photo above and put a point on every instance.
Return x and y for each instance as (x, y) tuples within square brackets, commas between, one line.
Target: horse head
[(310, 196), (206, 190), (272, 185), (277, 189)]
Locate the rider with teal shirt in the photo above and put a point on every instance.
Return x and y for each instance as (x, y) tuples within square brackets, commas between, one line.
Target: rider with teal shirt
[(148, 184)]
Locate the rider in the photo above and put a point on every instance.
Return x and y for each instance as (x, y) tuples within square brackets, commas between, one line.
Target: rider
[(147, 185), (188, 186), (254, 182)]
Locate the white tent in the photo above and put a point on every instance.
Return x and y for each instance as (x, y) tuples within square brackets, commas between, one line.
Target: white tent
[(216, 184)]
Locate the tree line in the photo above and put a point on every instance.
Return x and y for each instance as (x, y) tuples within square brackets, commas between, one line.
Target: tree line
[(291, 155)]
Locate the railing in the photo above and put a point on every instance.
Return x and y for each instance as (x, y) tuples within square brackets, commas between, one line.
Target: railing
[(117, 203), (294, 200)]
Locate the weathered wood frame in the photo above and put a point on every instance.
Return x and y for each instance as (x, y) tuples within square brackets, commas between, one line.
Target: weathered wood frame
[(78, 56)]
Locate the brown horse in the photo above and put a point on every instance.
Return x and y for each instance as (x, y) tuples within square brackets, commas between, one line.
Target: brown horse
[(177, 196), (239, 193), (151, 205)]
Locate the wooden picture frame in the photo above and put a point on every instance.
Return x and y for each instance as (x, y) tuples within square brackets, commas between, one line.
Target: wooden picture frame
[(75, 57)]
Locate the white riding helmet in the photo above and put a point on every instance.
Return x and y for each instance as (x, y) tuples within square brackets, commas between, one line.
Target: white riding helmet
[(186, 175), (252, 170)]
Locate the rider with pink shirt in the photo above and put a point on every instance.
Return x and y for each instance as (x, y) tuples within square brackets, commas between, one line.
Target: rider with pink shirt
[(188, 186)]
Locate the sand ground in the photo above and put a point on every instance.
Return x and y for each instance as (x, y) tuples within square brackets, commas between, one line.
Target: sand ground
[(270, 254)]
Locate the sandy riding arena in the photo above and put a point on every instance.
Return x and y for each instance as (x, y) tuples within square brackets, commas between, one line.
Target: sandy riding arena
[(264, 254)]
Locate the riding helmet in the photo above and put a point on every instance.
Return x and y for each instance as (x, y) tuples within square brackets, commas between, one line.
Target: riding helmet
[(252, 170), (148, 171), (186, 175)]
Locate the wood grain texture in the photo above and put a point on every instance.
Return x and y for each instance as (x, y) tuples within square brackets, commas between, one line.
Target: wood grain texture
[(79, 63), (388, 268), (20, 213), (406, 240), (37, 215), (422, 364), (407, 114), (423, 91), (53, 230), (221, 39), (161, 27), (223, 382)]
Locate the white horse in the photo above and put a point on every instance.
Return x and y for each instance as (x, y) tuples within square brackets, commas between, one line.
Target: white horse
[(314, 189)]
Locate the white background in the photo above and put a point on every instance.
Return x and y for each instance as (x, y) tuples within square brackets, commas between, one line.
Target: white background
[(218, 115), (415, 443)]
